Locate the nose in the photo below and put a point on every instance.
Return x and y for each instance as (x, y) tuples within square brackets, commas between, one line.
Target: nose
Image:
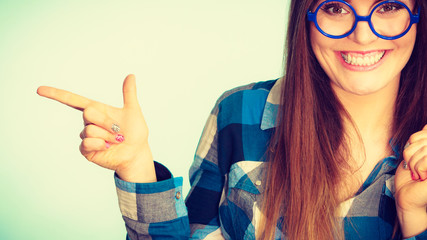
[(363, 34)]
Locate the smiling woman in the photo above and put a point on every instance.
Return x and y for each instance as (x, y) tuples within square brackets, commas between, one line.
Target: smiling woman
[(335, 149), (353, 63), (345, 114)]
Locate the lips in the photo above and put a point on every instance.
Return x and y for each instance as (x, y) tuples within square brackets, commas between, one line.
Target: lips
[(362, 59)]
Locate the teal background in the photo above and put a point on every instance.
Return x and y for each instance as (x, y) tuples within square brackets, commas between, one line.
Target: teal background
[(184, 55)]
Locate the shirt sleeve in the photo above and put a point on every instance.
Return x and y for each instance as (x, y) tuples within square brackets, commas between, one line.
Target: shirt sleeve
[(154, 210), (207, 177), (157, 210), (421, 236)]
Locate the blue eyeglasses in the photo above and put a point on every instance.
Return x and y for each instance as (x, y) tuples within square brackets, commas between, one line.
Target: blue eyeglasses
[(388, 20)]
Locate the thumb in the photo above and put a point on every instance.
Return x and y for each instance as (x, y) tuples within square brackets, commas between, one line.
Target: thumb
[(129, 91)]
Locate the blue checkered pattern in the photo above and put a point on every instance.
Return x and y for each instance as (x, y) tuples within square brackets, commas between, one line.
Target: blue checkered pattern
[(227, 184)]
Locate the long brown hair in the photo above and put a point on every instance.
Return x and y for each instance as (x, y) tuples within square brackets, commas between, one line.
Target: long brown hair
[(307, 152)]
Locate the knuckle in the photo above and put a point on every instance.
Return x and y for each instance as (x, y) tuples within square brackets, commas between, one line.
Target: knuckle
[(423, 163), (85, 145), (406, 154), (89, 130), (412, 139), (411, 165), (89, 157), (81, 149), (88, 112), (422, 170), (86, 152), (82, 134)]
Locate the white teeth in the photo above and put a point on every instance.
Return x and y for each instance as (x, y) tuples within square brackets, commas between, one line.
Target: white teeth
[(362, 61)]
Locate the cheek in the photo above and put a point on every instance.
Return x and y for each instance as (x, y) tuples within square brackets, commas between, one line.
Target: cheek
[(314, 38), (412, 36), (406, 45), (323, 49), (409, 38), (316, 43), (322, 46)]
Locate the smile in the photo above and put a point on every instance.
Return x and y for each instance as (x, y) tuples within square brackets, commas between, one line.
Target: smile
[(357, 59)]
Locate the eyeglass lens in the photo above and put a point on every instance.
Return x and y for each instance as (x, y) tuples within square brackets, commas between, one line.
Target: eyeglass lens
[(388, 19)]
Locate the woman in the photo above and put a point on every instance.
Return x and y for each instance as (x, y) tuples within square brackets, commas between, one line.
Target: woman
[(319, 154)]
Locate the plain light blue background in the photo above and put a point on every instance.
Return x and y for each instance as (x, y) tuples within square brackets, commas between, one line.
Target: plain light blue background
[(184, 55)]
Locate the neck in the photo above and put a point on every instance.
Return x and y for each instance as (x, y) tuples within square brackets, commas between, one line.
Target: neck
[(368, 133), (371, 126), (372, 114)]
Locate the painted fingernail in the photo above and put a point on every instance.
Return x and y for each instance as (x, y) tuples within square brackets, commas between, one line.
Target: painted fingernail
[(415, 176), (120, 138), (107, 145), (406, 146), (115, 128), (405, 165)]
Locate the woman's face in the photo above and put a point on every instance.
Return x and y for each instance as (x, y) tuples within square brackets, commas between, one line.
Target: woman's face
[(380, 61)]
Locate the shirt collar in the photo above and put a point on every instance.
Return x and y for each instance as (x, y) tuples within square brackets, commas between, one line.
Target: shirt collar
[(271, 106)]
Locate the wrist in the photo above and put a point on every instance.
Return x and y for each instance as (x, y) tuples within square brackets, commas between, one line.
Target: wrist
[(412, 222), (140, 169)]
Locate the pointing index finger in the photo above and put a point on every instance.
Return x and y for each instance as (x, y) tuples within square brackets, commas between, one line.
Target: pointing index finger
[(70, 99)]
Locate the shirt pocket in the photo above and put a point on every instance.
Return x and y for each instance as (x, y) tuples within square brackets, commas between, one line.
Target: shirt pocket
[(239, 209), (245, 183)]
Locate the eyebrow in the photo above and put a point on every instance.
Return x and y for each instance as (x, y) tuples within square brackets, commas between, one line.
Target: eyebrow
[(406, 2), (376, 1)]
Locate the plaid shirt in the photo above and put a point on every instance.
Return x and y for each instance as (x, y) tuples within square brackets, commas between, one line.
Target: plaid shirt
[(226, 180)]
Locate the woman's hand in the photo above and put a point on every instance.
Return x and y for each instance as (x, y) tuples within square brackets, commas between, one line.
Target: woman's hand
[(124, 149), (411, 185)]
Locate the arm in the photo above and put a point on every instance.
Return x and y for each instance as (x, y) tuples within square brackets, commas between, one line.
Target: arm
[(411, 188), (207, 183), (150, 199), (157, 210)]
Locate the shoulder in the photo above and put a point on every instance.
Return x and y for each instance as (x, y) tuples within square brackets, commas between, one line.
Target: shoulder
[(258, 88), (243, 104), (245, 94)]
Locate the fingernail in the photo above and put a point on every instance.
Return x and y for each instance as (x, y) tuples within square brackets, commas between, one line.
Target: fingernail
[(120, 138), (406, 146), (405, 165), (413, 176), (107, 145), (115, 128)]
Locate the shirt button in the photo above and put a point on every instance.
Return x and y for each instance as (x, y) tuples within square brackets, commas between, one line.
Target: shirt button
[(178, 195), (258, 183)]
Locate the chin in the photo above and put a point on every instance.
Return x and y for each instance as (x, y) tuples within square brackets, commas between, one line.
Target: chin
[(357, 89)]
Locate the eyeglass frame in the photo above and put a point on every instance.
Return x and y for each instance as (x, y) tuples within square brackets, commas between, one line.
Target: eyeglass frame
[(311, 16)]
